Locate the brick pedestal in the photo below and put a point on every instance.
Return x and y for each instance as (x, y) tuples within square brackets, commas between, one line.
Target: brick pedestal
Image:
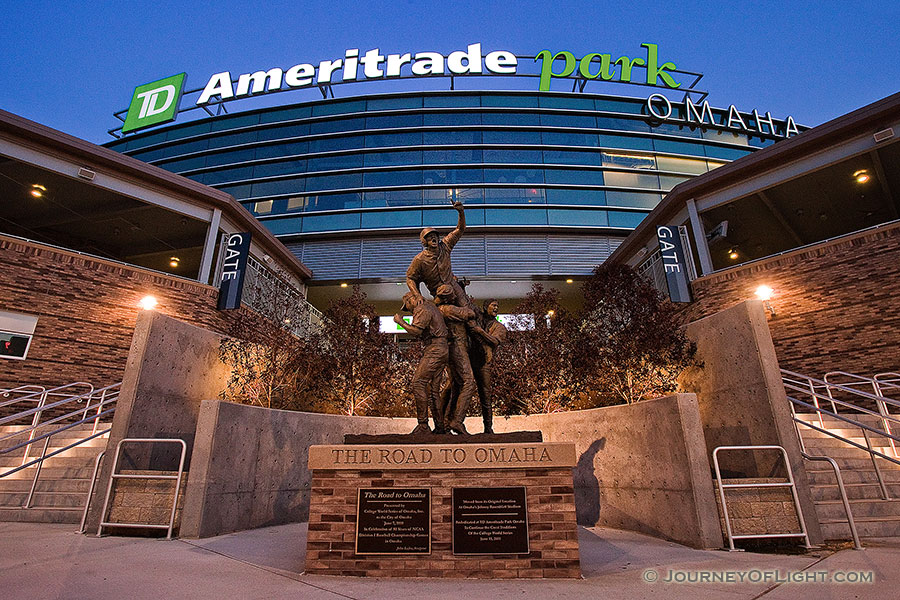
[(546, 476)]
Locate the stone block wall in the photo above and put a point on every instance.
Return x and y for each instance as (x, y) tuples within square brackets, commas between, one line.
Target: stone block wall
[(147, 501), (87, 308), (833, 302), (754, 511), (553, 538)]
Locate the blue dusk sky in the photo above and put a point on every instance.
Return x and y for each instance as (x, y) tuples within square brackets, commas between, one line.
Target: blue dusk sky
[(71, 65)]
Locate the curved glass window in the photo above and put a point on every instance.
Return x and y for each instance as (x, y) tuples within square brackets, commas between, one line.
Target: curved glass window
[(275, 188), (625, 159), (678, 147), (447, 217), (393, 121), (392, 218), (556, 138), (571, 157), (513, 175), (280, 168), (514, 196), (392, 198), (332, 126), (333, 201), (328, 222), (564, 102), (186, 164), (377, 140), (452, 176), (285, 114), (339, 107), (509, 100), (288, 225), (336, 143), (451, 101), (334, 163), (383, 159), (233, 139), (512, 156), (512, 137), (574, 176), (451, 195), (635, 199), (453, 119), (223, 123), (729, 153), (187, 131), (630, 179), (627, 142), (390, 178), (620, 124), (582, 121), (394, 103), (286, 131), (276, 150), (681, 165), (515, 216), (518, 119), (625, 219), (452, 137), (574, 217), (238, 191), (224, 175), (583, 197), (334, 182), (463, 155)]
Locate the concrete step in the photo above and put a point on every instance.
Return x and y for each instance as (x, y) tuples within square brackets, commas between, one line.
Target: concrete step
[(78, 486), (855, 491), (877, 441), (51, 472), (853, 463), (847, 451), (43, 500), (838, 529), (41, 515), (834, 509), (858, 475)]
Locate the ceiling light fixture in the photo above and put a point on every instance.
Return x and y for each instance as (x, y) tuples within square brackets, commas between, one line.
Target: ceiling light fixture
[(174, 261), (861, 176), (732, 254), (38, 190)]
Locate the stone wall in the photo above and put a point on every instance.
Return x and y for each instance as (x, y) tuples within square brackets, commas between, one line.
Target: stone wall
[(87, 308), (833, 302)]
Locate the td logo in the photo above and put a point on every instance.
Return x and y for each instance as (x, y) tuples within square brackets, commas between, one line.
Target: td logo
[(154, 103)]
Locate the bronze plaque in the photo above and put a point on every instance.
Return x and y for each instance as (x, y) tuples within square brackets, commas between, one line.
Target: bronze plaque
[(393, 521), (490, 521)]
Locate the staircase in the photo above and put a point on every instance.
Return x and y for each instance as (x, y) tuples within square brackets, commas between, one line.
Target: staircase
[(64, 480), (875, 516)]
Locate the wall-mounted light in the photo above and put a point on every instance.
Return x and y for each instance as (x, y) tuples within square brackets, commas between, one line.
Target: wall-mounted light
[(174, 261), (343, 284), (550, 313), (37, 190), (861, 176), (733, 254), (148, 303), (570, 280), (765, 293)]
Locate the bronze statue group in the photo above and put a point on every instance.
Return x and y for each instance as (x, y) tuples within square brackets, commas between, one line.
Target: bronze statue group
[(458, 336)]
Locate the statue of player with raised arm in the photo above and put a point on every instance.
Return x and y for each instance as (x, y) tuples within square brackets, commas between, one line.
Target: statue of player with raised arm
[(432, 266)]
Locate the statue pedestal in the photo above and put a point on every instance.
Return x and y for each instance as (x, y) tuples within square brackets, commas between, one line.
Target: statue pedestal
[(473, 510)]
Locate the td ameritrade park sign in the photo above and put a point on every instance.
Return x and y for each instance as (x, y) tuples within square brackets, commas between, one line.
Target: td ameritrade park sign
[(157, 102)]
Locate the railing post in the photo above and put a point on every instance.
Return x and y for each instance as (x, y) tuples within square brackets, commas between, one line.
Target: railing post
[(884, 491), (37, 473), (34, 424)]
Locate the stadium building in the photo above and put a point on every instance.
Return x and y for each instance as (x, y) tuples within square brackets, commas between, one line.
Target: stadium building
[(552, 181)]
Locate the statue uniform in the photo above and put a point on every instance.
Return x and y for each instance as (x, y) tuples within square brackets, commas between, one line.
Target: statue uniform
[(434, 269), (482, 354), (428, 317), (460, 367)]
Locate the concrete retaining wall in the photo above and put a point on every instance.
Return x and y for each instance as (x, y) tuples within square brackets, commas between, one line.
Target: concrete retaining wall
[(742, 399), (172, 367), (249, 464)]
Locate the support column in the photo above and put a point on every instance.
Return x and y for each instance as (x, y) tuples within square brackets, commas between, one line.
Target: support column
[(700, 238)]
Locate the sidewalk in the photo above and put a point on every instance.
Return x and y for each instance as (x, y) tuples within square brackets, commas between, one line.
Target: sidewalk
[(50, 561)]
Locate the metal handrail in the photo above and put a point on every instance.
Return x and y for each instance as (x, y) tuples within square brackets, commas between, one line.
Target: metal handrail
[(840, 482), (113, 476), (791, 382), (788, 483), (87, 502)]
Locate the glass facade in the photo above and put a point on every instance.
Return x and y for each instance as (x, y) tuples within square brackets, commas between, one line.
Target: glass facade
[(550, 163)]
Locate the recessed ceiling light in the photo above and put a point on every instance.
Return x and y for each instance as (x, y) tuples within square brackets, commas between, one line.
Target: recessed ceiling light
[(732, 254), (37, 190), (861, 176), (174, 261)]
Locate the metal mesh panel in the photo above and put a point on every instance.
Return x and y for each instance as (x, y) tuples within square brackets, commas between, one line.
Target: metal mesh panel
[(577, 255), (518, 255), (388, 257)]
